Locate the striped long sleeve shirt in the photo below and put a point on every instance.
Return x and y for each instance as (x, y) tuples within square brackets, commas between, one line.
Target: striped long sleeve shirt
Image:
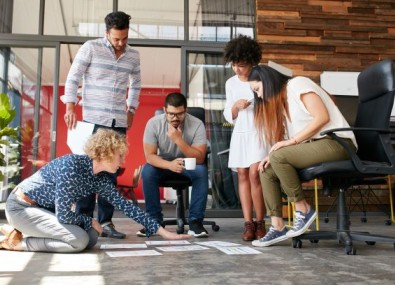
[(105, 81)]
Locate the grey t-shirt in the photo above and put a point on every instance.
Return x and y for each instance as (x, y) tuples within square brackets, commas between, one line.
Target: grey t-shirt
[(155, 133)]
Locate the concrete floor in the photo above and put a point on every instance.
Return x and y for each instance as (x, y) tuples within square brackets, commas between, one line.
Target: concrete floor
[(323, 263)]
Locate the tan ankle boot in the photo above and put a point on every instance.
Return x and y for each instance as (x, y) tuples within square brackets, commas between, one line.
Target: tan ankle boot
[(249, 231), (260, 230)]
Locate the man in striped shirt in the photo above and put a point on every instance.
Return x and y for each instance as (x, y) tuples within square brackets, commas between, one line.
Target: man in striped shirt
[(107, 68)]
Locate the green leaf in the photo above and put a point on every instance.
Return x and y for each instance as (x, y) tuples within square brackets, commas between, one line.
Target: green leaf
[(7, 114)]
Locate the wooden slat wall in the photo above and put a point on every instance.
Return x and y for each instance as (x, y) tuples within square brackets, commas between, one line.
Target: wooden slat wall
[(314, 36)]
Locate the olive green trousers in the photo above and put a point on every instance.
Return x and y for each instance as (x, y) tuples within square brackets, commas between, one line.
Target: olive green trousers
[(282, 173)]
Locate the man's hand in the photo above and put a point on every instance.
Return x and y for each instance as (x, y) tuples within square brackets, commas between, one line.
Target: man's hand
[(174, 133), (177, 165), (130, 117), (70, 117)]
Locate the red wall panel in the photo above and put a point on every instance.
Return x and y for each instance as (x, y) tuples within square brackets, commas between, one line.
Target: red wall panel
[(150, 100)]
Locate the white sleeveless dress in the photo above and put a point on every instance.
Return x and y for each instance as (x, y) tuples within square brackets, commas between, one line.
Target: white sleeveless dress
[(245, 147)]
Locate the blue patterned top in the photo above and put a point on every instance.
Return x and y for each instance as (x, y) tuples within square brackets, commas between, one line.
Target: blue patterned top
[(62, 182)]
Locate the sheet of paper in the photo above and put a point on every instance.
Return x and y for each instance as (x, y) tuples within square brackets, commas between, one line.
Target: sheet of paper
[(76, 138), (238, 250), (217, 243), (149, 252), (167, 242), (127, 245), (182, 248)]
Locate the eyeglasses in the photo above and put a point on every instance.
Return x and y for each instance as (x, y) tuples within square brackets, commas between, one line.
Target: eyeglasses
[(178, 115)]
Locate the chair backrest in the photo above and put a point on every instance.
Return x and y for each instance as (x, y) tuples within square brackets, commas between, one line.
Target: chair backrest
[(198, 112), (376, 98)]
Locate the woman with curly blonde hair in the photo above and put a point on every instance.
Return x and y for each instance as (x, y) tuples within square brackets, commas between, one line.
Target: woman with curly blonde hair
[(42, 207)]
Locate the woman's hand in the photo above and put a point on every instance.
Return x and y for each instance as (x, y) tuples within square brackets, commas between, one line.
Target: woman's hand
[(241, 104), (97, 226), (264, 164), (171, 236), (281, 144)]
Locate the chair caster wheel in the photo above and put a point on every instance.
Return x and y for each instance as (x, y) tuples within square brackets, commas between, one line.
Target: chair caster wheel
[(215, 228), (314, 240), (297, 243), (363, 220), (326, 220), (180, 231), (370, 242)]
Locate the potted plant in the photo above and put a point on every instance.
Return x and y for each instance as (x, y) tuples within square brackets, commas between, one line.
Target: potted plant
[(9, 146)]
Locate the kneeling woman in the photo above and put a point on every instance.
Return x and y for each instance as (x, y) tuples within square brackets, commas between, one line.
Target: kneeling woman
[(291, 113), (42, 207)]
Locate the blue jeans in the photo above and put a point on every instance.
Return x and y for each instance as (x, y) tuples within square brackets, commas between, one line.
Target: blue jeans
[(151, 177), (87, 204)]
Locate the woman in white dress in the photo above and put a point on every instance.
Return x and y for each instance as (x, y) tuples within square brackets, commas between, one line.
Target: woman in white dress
[(246, 149)]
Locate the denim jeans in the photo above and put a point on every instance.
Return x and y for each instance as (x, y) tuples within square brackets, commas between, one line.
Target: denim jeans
[(151, 177), (45, 233)]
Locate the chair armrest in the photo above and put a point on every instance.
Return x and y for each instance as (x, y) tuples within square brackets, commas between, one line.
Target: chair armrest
[(362, 166), (329, 132)]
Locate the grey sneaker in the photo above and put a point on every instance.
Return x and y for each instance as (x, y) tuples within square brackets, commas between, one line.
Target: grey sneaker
[(302, 223), (196, 229), (272, 236)]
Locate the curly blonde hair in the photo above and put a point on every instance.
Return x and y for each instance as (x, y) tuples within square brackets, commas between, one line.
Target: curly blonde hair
[(104, 143)]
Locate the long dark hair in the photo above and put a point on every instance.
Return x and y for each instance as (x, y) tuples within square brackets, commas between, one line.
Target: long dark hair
[(270, 110)]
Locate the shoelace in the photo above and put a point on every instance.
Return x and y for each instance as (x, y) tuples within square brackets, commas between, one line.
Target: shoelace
[(271, 232), (299, 219)]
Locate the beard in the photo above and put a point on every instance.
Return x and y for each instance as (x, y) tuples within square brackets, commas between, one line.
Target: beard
[(175, 123)]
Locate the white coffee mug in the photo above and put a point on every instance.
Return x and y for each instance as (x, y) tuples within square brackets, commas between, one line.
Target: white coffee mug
[(190, 163)]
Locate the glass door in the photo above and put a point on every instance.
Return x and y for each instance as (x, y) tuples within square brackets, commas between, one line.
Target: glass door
[(205, 80), (31, 84)]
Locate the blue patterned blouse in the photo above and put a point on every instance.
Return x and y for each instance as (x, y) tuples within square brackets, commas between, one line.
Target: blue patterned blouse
[(63, 181)]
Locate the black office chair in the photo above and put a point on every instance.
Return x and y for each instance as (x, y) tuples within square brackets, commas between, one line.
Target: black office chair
[(182, 183), (375, 156)]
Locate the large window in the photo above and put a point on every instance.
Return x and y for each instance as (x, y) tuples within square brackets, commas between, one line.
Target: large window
[(180, 43), (209, 20), (206, 79), (220, 20)]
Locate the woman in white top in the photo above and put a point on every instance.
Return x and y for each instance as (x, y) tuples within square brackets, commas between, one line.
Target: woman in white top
[(246, 149), (291, 113)]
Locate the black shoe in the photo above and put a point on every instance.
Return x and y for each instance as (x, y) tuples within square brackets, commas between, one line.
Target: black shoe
[(110, 231), (197, 230)]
